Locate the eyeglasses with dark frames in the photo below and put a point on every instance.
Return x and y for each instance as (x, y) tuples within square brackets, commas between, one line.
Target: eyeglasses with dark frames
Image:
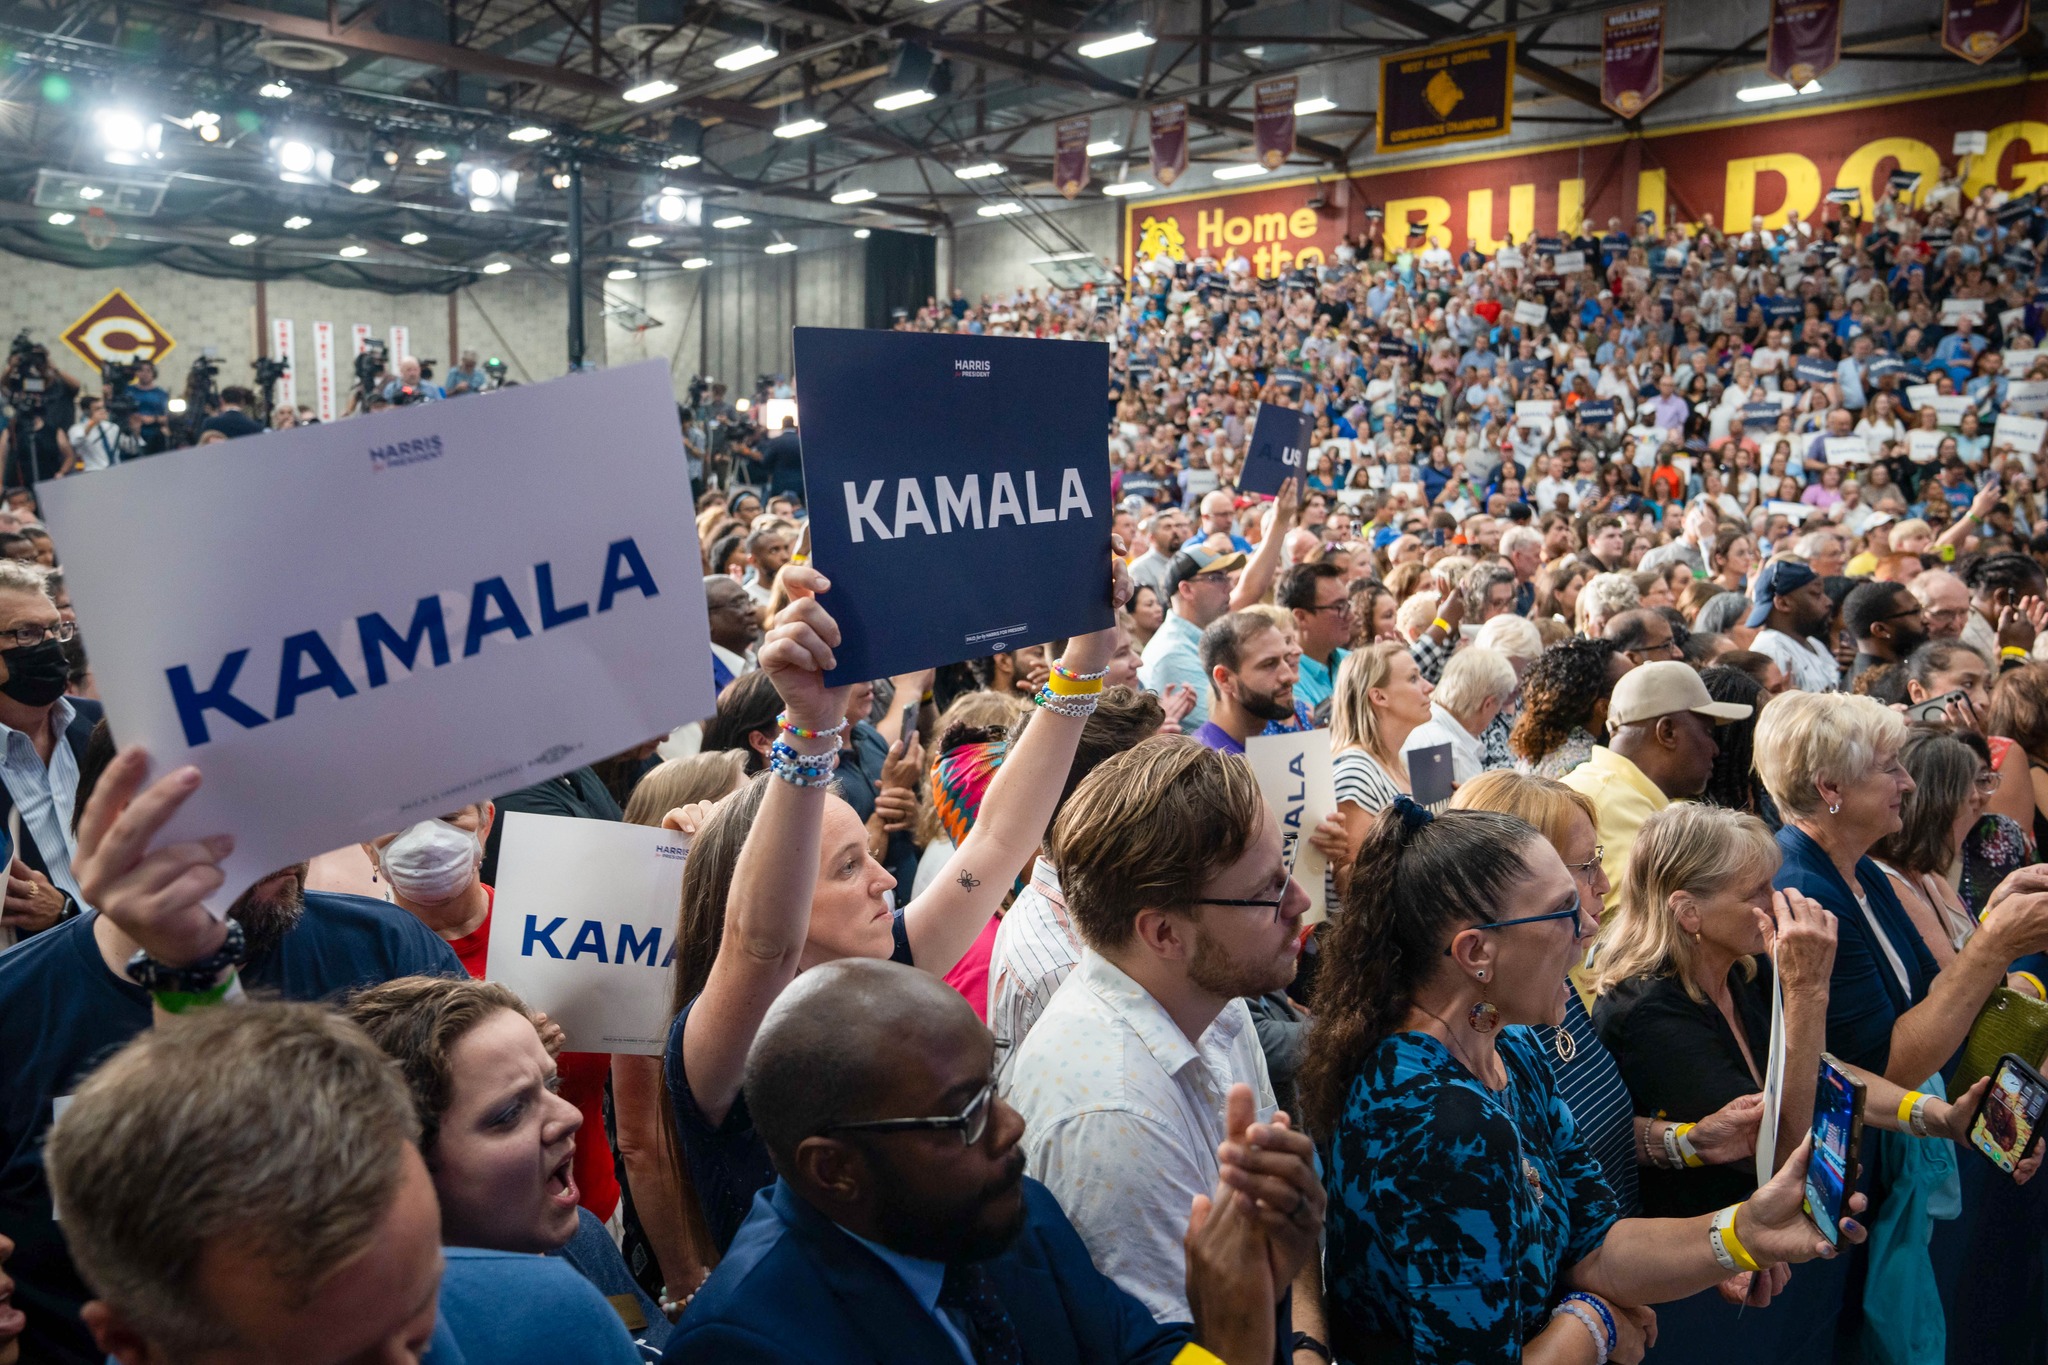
[(1570, 912), (970, 1122), (1261, 903)]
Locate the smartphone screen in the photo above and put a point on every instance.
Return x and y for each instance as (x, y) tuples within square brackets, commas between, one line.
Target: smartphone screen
[(908, 731), (1835, 1103), (2005, 1125)]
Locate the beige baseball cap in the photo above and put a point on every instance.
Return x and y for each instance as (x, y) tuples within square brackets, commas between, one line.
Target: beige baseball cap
[(1665, 688)]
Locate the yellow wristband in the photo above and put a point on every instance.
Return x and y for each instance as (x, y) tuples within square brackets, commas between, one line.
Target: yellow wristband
[(2034, 981), (1726, 1227), (1192, 1354), (2013, 652), (1685, 1147), (1906, 1108), (1442, 625), (1069, 687)]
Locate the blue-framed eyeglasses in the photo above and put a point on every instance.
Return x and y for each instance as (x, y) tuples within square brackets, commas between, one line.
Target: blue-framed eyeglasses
[(1570, 912)]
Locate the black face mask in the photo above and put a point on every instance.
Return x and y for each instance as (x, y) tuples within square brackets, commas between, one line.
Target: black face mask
[(36, 675)]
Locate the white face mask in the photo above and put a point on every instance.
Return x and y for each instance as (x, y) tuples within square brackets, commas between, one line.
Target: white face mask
[(431, 862)]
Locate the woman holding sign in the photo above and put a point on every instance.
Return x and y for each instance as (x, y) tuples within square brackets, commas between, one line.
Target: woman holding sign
[(779, 879)]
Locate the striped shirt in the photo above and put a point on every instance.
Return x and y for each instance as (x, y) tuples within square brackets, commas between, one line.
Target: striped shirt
[(1036, 947), (44, 795), (1361, 780), (1591, 1085)]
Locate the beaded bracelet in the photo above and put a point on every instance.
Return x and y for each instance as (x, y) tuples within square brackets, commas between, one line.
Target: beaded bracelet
[(801, 733), (1080, 707), (801, 769), (1071, 676), (1611, 1337), (1590, 1323)]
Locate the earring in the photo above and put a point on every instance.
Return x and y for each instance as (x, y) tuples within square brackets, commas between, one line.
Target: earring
[(1835, 808), (1482, 1017)]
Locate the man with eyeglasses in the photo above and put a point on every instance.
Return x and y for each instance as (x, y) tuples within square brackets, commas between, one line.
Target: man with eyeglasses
[(903, 1226), (44, 734), (1321, 602), (1175, 876), (1887, 623)]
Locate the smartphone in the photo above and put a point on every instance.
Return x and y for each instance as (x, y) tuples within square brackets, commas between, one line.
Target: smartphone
[(2009, 1119), (1935, 709), (1837, 1135), (908, 730)]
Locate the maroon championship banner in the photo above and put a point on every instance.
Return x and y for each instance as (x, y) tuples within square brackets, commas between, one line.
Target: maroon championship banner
[(1273, 120), (1454, 93), (1070, 155), (1806, 40), (1631, 58), (1978, 30), (1169, 142)]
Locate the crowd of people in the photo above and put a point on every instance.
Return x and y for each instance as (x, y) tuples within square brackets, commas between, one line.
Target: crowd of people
[(999, 1025)]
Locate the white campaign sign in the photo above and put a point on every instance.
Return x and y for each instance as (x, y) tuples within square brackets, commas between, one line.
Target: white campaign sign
[(1923, 447), (1569, 262), (1950, 407), (583, 926), (1295, 775), (2021, 433), (2027, 397), (1845, 449), (1951, 309), (381, 621), (1530, 313), (1919, 396)]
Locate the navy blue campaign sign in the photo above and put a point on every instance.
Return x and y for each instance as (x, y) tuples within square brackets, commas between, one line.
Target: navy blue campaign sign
[(958, 489), (1279, 440)]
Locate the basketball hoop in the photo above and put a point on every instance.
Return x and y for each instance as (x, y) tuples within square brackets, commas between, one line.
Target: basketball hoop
[(98, 229)]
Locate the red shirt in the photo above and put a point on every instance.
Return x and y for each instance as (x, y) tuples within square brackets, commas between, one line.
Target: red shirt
[(970, 974), (583, 1077)]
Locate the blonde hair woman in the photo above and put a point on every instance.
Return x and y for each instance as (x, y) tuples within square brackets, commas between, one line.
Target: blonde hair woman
[(1380, 698)]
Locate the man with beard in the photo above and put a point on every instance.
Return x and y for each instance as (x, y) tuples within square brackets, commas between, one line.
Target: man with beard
[(1791, 603), (42, 735), (1252, 671), (903, 1226), (69, 997), (1886, 621), (1174, 875)]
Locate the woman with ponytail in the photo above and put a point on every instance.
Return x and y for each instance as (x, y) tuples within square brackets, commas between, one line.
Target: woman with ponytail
[(1467, 1219)]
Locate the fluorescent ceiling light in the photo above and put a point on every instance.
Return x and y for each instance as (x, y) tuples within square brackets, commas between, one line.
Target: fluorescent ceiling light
[(90, 192), (862, 233), (497, 268), (644, 240), (1109, 146), (354, 251), (731, 220), (1318, 105), (985, 169), (1123, 187), (802, 127), (904, 99), (427, 154), (622, 274), (242, 239), (740, 58), (297, 221), (559, 258), (1241, 172), (62, 219), (853, 196), (1123, 42), (1002, 210), (1757, 93), (695, 263), (649, 90), (413, 238), (532, 132), (275, 90), (367, 184), (679, 161), (779, 248)]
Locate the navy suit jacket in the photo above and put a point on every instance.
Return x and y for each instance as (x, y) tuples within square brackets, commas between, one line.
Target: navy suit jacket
[(85, 714), (794, 1288)]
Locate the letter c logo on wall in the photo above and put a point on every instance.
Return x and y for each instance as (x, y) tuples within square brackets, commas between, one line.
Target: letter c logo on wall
[(116, 330)]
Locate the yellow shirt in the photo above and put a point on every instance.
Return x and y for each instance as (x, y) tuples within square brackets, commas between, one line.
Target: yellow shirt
[(1622, 799)]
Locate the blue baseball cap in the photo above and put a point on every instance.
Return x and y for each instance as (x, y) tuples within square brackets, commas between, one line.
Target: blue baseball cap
[(1778, 580)]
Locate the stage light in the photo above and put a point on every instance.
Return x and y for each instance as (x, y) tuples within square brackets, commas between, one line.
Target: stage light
[(670, 207), (275, 90), (354, 251), (127, 137), (695, 263), (90, 192), (1109, 146), (1122, 42), (300, 160), (177, 407), (779, 248), (414, 238), (853, 196), (649, 90), (1002, 210), (801, 126), (1240, 172), (739, 59), (297, 221), (560, 179), (497, 268), (559, 258), (62, 219), (733, 220), (982, 171), (904, 99), (643, 241), (532, 132), (1314, 105), (487, 188), (862, 234), (1123, 187), (365, 184), (426, 155), (680, 161), (622, 274), (242, 239)]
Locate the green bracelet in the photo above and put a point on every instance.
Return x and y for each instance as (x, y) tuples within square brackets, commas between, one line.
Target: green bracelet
[(178, 1002)]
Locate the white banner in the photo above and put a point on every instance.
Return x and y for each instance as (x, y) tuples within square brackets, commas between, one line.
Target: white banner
[(2021, 433), (1508, 258), (1569, 262), (583, 923), (1845, 449), (286, 392), (1950, 407), (1796, 511), (1923, 446), (332, 689), (1951, 309), (1534, 412), (1919, 396), (326, 405), (1296, 779), (1530, 313), (2019, 360), (2027, 397), (401, 346), (359, 338)]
